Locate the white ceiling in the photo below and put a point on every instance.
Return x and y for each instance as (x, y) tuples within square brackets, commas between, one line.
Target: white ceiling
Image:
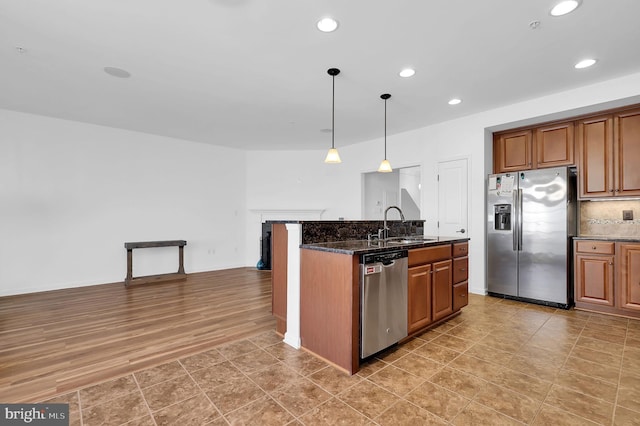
[(252, 74)]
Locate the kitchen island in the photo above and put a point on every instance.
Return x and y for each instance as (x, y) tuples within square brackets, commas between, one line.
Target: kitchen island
[(286, 238), (330, 291)]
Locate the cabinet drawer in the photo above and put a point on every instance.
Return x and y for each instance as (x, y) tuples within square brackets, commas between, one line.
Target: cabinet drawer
[(460, 269), (460, 295), (429, 254), (460, 249), (598, 247)]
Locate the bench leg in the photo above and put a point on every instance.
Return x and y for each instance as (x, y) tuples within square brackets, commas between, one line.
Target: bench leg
[(129, 277), (181, 259)]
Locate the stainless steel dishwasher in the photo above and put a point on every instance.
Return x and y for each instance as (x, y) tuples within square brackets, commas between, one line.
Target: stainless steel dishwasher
[(383, 300)]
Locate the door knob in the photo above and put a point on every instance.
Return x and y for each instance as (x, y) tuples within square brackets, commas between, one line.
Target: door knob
[(462, 230)]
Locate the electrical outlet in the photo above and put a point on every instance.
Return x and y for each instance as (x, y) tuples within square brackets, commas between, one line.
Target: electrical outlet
[(627, 214)]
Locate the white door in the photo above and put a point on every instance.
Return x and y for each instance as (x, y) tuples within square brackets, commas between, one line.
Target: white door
[(453, 198)]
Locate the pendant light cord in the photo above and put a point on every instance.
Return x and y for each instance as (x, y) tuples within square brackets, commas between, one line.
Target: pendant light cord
[(385, 129), (333, 108), (385, 96)]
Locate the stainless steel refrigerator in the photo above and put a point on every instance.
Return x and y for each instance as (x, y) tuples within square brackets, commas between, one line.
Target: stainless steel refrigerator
[(531, 219)]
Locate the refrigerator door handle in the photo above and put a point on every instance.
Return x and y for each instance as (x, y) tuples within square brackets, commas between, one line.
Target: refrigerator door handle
[(515, 228), (520, 219)]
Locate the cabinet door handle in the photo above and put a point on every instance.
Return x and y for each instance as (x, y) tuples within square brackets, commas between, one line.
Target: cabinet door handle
[(463, 269), (594, 247)]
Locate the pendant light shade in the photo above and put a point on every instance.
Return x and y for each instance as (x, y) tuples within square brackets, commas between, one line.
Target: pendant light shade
[(332, 156), (385, 166)]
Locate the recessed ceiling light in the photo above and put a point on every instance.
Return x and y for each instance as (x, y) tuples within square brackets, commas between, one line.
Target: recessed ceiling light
[(327, 25), (585, 63), (455, 101), (407, 72), (117, 72), (564, 7)]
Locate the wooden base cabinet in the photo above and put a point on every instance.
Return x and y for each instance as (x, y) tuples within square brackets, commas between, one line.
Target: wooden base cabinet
[(607, 277), (594, 279), (460, 296), (442, 302), (460, 276), (629, 277), (429, 278), (419, 298), (438, 285)]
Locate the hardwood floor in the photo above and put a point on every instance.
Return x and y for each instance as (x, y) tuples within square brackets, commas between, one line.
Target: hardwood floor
[(57, 341)]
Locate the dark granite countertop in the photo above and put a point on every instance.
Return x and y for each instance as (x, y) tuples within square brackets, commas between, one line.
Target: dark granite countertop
[(337, 221), (607, 238), (358, 247)]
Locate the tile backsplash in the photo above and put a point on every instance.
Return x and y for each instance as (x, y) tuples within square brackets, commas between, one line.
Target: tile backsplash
[(604, 218)]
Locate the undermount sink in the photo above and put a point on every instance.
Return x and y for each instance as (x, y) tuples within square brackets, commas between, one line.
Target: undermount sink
[(408, 240)]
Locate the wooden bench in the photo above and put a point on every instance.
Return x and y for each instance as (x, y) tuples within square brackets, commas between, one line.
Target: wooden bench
[(159, 277)]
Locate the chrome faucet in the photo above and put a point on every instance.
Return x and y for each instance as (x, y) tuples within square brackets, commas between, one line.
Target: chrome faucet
[(383, 233)]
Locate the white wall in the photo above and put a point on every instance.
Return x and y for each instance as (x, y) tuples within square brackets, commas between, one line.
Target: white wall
[(380, 190), (71, 194), (410, 180), (468, 136)]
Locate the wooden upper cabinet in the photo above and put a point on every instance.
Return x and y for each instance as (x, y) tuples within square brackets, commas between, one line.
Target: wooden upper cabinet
[(513, 151), (554, 145), (608, 154), (627, 153), (595, 157)]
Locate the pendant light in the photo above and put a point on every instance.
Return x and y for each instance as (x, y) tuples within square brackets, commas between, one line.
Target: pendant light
[(332, 156), (385, 166)]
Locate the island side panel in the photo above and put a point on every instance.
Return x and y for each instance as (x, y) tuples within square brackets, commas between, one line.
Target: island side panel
[(279, 258), (330, 307)]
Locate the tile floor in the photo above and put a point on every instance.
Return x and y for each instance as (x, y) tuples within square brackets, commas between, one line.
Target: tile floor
[(499, 363)]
